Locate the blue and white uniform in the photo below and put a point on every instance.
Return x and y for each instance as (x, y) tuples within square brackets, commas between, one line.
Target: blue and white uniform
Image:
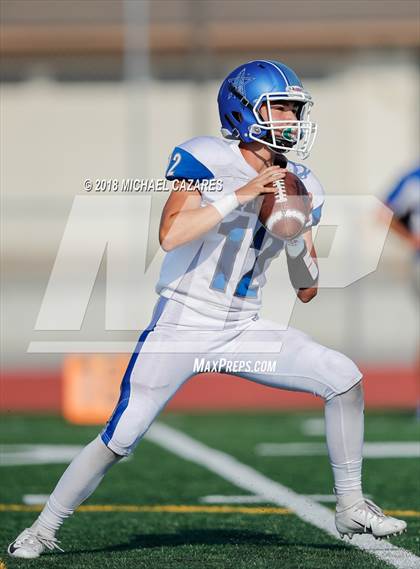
[(210, 297), (404, 200), (230, 261)]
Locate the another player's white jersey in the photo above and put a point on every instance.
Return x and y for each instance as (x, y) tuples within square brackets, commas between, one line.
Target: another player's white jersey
[(221, 273)]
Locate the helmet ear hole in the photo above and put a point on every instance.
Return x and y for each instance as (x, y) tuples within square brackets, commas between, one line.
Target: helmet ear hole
[(234, 133), (229, 120), (237, 116)]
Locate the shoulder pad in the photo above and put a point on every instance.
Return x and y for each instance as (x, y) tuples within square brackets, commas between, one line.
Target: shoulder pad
[(198, 158)]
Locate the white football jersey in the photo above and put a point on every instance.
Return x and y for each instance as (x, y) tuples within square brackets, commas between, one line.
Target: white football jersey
[(221, 274)]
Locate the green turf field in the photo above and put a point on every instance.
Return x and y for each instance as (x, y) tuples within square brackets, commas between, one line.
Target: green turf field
[(241, 536)]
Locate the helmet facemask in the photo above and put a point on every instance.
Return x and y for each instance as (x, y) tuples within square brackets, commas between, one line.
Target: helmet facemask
[(284, 135)]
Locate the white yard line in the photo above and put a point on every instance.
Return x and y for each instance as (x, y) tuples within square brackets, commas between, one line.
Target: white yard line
[(20, 455), (220, 499), (17, 455), (313, 427), (249, 499), (249, 479), (327, 497), (35, 499), (410, 449)]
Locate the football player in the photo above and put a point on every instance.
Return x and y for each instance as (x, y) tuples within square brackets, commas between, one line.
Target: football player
[(210, 296), (404, 200)]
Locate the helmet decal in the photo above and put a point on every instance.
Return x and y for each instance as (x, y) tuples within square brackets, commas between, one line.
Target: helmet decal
[(238, 83)]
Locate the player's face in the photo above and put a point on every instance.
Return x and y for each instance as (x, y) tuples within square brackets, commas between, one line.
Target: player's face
[(282, 111)]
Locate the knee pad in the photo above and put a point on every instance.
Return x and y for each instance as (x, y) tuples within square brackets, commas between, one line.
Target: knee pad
[(354, 396), (340, 372), (127, 427)]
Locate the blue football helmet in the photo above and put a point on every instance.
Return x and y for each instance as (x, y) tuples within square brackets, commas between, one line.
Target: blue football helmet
[(260, 82)]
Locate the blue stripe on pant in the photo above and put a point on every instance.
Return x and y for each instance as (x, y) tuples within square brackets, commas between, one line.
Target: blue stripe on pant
[(125, 384)]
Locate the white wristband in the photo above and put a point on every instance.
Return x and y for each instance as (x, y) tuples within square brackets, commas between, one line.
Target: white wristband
[(226, 204), (295, 247)]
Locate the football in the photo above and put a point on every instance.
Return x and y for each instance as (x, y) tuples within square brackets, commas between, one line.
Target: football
[(285, 213)]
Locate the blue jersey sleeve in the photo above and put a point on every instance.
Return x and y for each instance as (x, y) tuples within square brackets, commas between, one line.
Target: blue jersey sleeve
[(404, 197), (316, 214), (184, 166)]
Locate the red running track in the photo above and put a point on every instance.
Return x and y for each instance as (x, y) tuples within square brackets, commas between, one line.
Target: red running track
[(390, 387)]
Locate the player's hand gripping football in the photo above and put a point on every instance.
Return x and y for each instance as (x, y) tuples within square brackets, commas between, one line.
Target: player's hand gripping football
[(264, 183)]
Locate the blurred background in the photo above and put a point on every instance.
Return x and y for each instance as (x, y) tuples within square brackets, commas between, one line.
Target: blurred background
[(104, 89)]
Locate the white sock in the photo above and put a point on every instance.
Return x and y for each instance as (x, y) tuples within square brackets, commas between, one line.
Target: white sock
[(344, 425), (344, 501), (81, 478)]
